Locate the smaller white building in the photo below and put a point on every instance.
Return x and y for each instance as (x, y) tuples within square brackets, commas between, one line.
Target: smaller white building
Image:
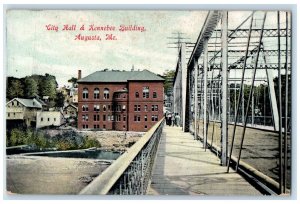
[(48, 118)]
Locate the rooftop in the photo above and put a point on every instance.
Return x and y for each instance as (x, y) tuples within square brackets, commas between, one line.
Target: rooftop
[(121, 76), (29, 103)]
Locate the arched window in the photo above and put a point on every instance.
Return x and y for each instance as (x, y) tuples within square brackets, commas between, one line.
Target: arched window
[(85, 93), (106, 93), (96, 93), (104, 107), (137, 95), (146, 92), (85, 108)]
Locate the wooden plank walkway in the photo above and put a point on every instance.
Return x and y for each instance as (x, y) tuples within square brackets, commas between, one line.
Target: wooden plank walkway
[(182, 167)]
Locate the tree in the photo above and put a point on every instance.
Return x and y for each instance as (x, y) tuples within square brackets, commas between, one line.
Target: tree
[(31, 87), (60, 99), (15, 89), (73, 81), (48, 88), (168, 75)]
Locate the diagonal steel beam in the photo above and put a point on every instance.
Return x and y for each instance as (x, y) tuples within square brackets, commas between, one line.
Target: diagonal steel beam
[(208, 28)]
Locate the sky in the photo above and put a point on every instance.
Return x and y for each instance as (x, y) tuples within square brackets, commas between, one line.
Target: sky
[(32, 49)]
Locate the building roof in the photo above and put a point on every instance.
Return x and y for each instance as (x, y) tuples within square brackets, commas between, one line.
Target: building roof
[(29, 103), (121, 76), (73, 106)]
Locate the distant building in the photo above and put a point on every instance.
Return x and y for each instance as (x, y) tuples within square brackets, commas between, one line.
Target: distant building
[(120, 100), (30, 113), (70, 94), (20, 111), (48, 118), (70, 111), (74, 96)]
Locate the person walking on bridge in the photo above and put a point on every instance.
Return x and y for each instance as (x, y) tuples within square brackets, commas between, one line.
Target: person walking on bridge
[(177, 119)]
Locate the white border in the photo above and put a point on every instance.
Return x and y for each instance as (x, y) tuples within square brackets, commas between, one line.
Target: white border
[(152, 4)]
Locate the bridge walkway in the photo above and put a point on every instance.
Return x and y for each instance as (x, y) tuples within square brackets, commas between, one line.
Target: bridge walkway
[(183, 167)]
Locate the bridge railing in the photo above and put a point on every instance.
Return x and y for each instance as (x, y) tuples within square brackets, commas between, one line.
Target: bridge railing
[(131, 172)]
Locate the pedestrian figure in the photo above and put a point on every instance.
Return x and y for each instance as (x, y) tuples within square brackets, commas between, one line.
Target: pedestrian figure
[(177, 119), (173, 119), (169, 119)]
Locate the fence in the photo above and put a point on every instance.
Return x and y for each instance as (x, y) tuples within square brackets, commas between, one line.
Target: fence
[(131, 172)]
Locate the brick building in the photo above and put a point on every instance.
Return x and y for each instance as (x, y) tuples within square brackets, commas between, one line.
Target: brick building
[(120, 100)]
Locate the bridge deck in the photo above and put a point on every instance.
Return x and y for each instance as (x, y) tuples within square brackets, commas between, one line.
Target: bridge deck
[(182, 167)]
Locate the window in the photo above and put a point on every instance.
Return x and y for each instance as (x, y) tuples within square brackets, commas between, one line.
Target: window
[(137, 118), (8, 114), (146, 92), (154, 107), (146, 126), (104, 117), (154, 118), (154, 95), (85, 117), (48, 119), (96, 107), (104, 126), (118, 117), (137, 95), (124, 107), (14, 115), (96, 126), (42, 119), (106, 93), (96, 117), (54, 119), (146, 118), (104, 108), (124, 117), (85, 93), (85, 108), (145, 108), (112, 117), (96, 93), (137, 108), (84, 126), (12, 103), (118, 108)]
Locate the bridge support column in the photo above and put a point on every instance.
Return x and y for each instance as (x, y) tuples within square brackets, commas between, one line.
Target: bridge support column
[(195, 98), (205, 69), (184, 84), (224, 114)]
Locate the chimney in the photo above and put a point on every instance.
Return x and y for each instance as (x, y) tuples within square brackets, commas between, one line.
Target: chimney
[(79, 74)]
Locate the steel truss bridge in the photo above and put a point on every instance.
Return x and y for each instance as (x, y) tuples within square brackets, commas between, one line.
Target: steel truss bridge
[(221, 62)]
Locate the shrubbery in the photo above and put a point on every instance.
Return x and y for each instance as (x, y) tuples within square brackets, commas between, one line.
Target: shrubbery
[(65, 141)]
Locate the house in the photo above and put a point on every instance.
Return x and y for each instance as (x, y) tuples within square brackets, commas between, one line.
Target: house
[(48, 118), (120, 100), (29, 113), (20, 111), (74, 95), (70, 111)]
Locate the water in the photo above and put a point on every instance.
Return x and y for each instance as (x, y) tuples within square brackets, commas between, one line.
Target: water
[(88, 154)]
